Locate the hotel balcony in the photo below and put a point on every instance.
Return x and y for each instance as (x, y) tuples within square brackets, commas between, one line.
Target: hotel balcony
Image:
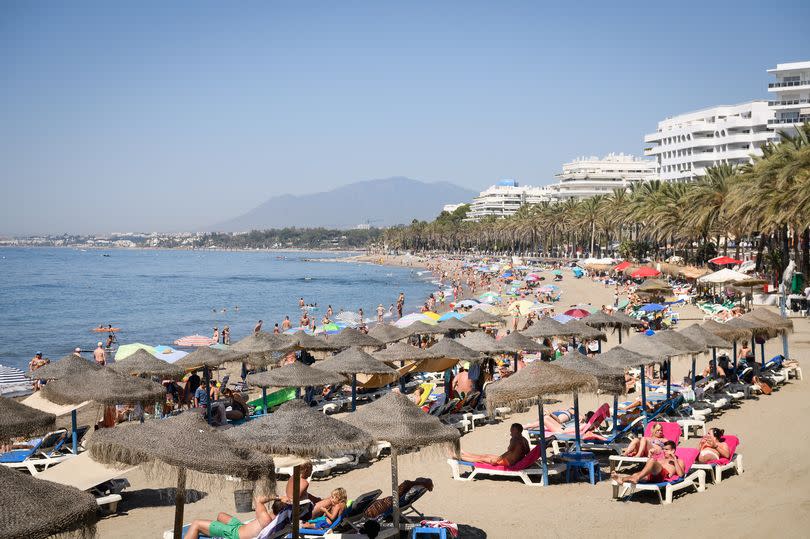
[(789, 121), (793, 85), (788, 103)]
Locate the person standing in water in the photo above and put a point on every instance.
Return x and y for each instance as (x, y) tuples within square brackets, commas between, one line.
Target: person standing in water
[(400, 304), (258, 327), (215, 336), (380, 313), (286, 324), (100, 355), (226, 335)]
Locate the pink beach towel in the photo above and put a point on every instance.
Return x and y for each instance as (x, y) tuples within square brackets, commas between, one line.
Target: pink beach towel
[(530, 458), (732, 442), (672, 431)]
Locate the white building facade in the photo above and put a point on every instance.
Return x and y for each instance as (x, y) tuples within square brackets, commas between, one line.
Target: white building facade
[(684, 146), (587, 177), (790, 95), (504, 199)]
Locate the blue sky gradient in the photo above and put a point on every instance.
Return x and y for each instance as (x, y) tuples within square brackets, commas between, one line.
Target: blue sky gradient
[(173, 115)]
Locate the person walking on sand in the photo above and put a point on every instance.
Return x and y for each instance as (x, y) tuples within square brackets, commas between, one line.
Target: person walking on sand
[(380, 313), (215, 336), (100, 355)]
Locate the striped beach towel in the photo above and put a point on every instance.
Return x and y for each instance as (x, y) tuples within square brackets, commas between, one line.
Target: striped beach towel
[(13, 382)]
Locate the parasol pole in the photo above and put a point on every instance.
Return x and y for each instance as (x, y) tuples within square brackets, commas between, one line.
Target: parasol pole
[(394, 487), (296, 501), (73, 428), (644, 396), (734, 353), (542, 439), (576, 421), (669, 377), (354, 392), (179, 502), (714, 362), (207, 375), (783, 312), (264, 400), (615, 414), (694, 375), (762, 352)]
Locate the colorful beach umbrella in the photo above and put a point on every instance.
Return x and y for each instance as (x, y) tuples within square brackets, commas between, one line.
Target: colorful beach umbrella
[(652, 307), (129, 349), (191, 341), (622, 266), (450, 314), (725, 261), (468, 303), (562, 318), (521, 307), (556, 272), (644, 272), (432, 315), (577, 313)]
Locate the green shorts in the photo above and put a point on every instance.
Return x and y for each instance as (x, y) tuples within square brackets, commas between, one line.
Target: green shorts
[(228, 531)]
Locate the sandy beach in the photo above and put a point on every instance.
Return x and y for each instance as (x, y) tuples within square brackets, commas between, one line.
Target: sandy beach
[(773, 493)]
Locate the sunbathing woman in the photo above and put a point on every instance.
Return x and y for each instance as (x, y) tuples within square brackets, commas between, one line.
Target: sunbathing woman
[(712, 447), (560, 417), (665, 467), (647, 446), (327, 510)]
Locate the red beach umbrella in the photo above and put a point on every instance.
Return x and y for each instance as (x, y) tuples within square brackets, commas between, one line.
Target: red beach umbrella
[(644, 272), (725, 261), (622, 266), (577, 313)]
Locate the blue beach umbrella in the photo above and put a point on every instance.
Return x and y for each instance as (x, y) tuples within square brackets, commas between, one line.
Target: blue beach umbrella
[(450, 314), (652, 307)]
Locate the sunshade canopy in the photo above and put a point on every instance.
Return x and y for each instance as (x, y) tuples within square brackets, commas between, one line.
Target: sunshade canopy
[(311, 343), (405, 352), (451, 349), (387, 333), (516, 342), (610, 378), (626, 320), (209, 357), (144, 363), (104, 386), (295, 374), (705, 337), (354, 361), (17, 419), (480, 317), (538, 379), (547, 327), (585, 331), (352, 337), (481, 342), (454, 324), (398, 421), (67, 366), (35, 509), (679, 341), (601, 319), (422, 328), (623, 358), (296, 429), (724, 331), (653, 349)]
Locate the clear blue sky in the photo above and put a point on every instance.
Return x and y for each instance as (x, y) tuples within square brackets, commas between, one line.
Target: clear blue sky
[(156, 115)]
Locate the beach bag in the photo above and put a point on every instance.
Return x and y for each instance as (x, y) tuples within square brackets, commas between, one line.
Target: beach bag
[(763, 386)]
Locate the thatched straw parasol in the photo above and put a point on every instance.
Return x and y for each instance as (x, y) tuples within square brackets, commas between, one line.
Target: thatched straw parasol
[(104, 386), (208, 357), (295, 374), (480, 317), (764, 326), (515, 342), (311, 343), (639, 351), (654, 286), (183, 442), (17, 419), (724, 331), (36, 509), (547, 327), (387, 333), (261, 346), (144, 363), (706, 338), (679, 342), (296, 429), (623, 358), (354, 361), (405, 352), (63, 368), (456, 325), (626, 320), (400, 422), (351, 337), (600, 320), (771, 317), (450, 349), (610, 379), (537, 380), (421, 328), (481, 342), (652, 348), (586, 332)]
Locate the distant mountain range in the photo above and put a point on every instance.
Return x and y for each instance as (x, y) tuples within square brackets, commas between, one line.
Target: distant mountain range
[(382, 202)]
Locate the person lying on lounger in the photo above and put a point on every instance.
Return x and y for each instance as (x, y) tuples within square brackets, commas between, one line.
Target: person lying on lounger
[(383, 505), (232, 528), (518, 448), (712, 447), (554, 423), (647, 446), (635, 405), (327, 510), (665, 467)]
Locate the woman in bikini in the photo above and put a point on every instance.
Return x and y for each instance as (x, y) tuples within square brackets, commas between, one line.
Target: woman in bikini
[(712, 447), (647, 446), (664, 467)]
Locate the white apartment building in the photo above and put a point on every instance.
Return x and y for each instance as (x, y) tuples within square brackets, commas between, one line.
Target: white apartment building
[(687, 144), (587, 177), (791, 99), (504, 198)]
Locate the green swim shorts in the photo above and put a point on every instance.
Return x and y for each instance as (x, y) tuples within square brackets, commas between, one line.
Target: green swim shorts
[(228, 531)]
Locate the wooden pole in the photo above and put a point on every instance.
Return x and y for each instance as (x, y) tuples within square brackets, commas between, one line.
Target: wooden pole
[(644, 396), (179, 503), (296, 505), (394, 488)]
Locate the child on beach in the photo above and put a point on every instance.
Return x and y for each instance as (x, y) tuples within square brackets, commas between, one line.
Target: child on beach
[(327, 510)]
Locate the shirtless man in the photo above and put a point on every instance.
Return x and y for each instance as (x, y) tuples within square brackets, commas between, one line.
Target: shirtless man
[(100, 355), (228, 526), (658, 469), (34, 364), (286, 324), (380, 313), (518, 448), (258, 327), (301, 303)]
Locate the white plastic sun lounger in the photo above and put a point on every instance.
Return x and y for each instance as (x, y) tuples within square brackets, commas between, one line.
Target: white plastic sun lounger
[(98, 479)]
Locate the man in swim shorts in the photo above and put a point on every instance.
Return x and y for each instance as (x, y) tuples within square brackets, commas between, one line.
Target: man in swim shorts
[(230, 527), (666, 466), (518, 448)]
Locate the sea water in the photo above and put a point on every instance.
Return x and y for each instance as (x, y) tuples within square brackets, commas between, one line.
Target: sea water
[(51, 298)]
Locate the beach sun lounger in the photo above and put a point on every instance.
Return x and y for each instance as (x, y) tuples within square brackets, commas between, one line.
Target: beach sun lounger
[(353, 516), (524, 469), (665, 490), (672, 431), (719, 466), (98, 479), (43, 453)]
